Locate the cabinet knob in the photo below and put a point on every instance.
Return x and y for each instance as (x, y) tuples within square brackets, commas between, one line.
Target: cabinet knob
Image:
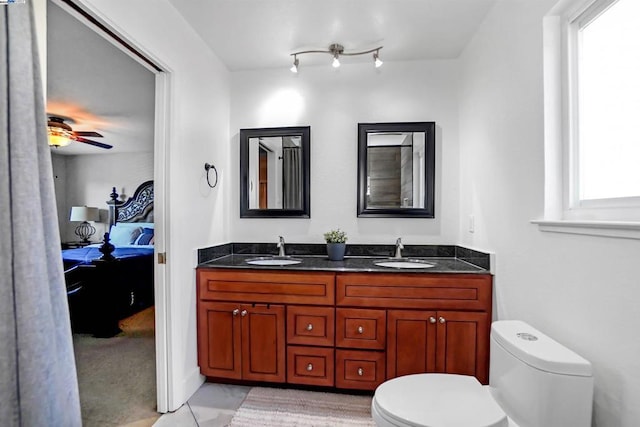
[(243, 313), (432, 319), (309, 327), (441, 319), (309, 367), (360, 329), (360, 371), (235, 311)]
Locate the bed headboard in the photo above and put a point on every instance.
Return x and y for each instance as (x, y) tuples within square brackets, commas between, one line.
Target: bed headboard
[(138, 208)]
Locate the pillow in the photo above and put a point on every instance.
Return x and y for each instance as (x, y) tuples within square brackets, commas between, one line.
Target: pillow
[(145, 238), (123, 234)]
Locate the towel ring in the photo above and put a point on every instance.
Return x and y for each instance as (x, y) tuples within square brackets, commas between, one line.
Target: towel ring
[(208, 167)]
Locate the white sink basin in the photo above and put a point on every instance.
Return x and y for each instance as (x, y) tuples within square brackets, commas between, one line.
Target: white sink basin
[(273, 260), (404, 263)]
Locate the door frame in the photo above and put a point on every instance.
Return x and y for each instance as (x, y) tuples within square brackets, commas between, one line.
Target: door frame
[(82, 11)]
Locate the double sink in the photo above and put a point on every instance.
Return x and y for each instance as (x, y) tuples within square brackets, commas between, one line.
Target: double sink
[(398, 263)]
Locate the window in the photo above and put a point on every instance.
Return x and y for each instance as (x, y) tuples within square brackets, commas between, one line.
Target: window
[(605, 77), (592, 104)]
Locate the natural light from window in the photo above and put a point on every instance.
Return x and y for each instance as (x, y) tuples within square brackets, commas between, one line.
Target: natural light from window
[(609, 104)]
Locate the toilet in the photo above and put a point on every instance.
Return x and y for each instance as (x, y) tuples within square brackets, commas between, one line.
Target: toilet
[(533, 382)]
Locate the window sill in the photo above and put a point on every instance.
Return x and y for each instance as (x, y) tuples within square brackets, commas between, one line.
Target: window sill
[(619, 229)]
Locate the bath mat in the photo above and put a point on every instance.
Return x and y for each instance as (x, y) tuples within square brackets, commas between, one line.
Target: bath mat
[(275, 407)]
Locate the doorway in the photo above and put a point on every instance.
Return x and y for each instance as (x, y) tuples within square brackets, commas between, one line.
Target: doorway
[(90, 71)]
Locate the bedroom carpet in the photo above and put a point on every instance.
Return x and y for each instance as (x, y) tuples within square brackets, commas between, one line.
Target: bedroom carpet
[(116, 376), (275, 407)]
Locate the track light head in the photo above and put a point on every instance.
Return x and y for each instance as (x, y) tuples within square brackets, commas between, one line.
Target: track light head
[(336, 50), (376, 60)]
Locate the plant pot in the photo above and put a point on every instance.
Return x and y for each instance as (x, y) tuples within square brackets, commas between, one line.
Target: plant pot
[(335, 251)]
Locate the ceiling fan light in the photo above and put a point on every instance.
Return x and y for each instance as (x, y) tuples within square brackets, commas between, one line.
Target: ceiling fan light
[(59, 137)]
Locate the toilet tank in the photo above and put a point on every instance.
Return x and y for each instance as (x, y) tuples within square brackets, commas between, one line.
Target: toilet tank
[(537, 381)]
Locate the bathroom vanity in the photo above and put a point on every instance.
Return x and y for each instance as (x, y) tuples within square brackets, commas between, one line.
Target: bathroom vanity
[(348, 325)]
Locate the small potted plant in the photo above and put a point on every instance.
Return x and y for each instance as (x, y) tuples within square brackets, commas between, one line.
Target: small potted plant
[(336, 244)]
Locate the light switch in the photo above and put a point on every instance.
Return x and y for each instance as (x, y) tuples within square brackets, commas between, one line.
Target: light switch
[(472, 223)]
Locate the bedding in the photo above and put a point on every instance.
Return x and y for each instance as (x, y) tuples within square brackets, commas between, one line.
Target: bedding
[(101, 293), (84, 256)]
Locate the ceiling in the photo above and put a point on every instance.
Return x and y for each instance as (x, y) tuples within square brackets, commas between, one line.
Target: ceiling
[(103, 89), (253, 34)]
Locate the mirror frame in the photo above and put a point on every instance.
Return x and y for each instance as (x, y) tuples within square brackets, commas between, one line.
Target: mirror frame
[(430, 169), (305, 135)]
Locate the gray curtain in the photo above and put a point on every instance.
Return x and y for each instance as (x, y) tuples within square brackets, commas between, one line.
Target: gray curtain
[(291, 176), (38, 384)]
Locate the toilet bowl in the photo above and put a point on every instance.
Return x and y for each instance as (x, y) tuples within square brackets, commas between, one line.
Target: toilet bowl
[(534, 381)]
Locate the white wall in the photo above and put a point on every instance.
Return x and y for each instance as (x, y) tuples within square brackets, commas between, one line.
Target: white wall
[(198, 132), (87, 180), (582, 291), (333, 102)]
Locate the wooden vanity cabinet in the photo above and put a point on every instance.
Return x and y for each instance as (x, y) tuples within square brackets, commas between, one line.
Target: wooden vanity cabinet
[(434, 322), (242, 341), (452, 342), (344, 330), (242, 322)]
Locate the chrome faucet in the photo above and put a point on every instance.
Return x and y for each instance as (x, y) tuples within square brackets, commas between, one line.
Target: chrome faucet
[(399, 248), (281, 246)]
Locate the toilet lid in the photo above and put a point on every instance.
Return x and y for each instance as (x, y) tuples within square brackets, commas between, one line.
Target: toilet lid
[(436, 400)]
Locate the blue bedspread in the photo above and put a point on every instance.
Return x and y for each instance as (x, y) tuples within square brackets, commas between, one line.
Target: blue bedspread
[(85, 255)]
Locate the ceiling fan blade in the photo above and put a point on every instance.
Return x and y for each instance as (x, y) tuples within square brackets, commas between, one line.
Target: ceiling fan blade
[(87, 133), (97, 144)]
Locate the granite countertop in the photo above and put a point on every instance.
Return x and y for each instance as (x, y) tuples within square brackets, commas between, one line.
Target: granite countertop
[(349, 264), (360, 258)]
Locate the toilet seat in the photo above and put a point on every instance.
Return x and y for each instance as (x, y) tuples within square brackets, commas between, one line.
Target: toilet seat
[(436, 400)]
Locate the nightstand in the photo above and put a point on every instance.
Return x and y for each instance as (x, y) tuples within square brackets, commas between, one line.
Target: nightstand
[(74, 245)]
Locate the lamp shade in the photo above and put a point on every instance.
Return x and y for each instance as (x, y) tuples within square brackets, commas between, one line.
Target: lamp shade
[(84, 213)]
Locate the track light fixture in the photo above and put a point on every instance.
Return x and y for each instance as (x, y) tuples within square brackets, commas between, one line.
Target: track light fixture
[(336, 50)]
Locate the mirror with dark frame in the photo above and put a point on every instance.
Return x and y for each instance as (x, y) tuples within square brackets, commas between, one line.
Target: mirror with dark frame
[(396, 170), (274, 172)]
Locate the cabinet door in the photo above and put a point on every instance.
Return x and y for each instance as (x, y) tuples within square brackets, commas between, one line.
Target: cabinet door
[(219, 338), (462, 346), (411, 342), (263, 343)]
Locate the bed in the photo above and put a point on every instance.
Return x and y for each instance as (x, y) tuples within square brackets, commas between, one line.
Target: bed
[(108, 283)]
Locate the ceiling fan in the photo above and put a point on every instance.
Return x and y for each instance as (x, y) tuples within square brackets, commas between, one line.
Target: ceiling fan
[(61, 134)]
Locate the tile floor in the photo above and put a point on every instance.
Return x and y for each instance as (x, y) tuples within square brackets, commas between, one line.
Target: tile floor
[(213, 405)]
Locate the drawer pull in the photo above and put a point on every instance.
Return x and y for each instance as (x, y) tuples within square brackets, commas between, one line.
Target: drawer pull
[(360, 329), (441, 319), (235, 311), (309, 367), (309, 327), (243, 313), (360, 371), (432, 319)]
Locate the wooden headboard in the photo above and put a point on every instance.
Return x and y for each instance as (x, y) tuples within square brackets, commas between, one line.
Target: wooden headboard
[(138, 208)]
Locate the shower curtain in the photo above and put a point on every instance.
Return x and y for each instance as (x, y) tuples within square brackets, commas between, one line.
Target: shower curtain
[(291, 175), (38, 384)]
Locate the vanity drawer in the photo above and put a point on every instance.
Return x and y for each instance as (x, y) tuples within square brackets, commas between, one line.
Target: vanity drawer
[(307, 325), (359, 369), (311, 288), (415, 291), (310, 365), (360, 328)]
